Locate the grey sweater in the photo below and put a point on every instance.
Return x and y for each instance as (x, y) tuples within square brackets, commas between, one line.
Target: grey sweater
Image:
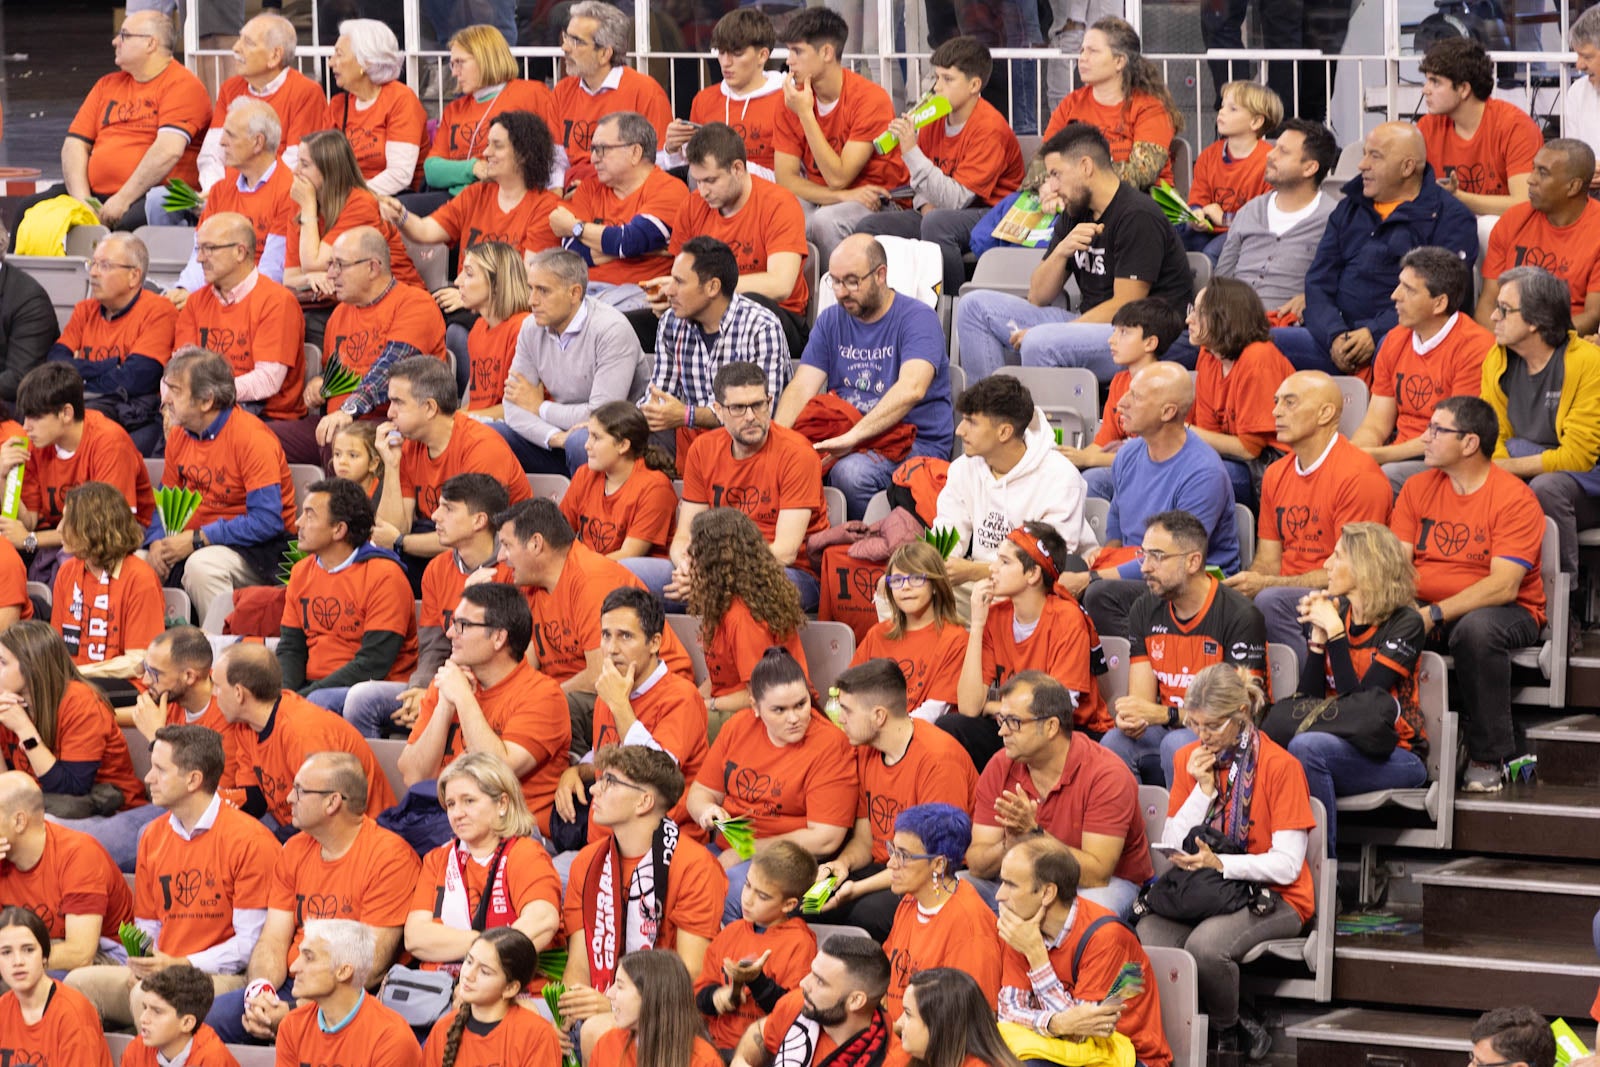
[(600, 363), (1275, 267)]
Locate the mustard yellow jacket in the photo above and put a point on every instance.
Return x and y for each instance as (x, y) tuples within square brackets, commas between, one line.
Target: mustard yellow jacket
[(1577, 416)]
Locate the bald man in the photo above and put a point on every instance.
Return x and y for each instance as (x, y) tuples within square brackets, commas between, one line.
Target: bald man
[(264, 71), (1394, 205), (248, 319), (882, 353), (1307, 497)]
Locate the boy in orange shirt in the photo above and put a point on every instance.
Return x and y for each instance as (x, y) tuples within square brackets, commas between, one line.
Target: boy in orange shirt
[(748, 98), (1481, 149), (754, 961), (1231, 171), (172, 1022)]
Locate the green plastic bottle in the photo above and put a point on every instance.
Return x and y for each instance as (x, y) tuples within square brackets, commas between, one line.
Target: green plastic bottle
[(12, 506), (930, 110)]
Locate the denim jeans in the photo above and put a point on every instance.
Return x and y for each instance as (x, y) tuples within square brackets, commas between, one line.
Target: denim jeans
[(1303, 351), (1280, 606), (369, 705), (1335, 768), (860, 476), (537, 459), (985, 321), (331, 699), (655, 573), (227, 1015), (1099, 479)]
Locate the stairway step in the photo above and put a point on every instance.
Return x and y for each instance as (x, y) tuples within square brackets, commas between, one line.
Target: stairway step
[(1449, 969), (1580, 729), (1567, 750), (1358, 1037), (1536, 818), (1525, 876), (1473, 895)]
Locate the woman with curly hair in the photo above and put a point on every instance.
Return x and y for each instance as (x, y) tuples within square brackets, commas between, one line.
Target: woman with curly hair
[(923, 632), (745, 605), (487, 1025)]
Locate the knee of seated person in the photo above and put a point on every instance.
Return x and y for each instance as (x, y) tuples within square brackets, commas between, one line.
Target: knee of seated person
[(1312, 746), (1476, 633)]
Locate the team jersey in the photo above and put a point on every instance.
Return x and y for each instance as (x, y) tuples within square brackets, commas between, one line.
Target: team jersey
[(1525, 238), (360, 209), (784, 474), (1227, 629), (464, 123), (1230, 183), (659, 198), (1502, 147), (523, 1038), (983, 157), (394, 115), (75, 875), (770, 221), (793, 947), (296, 729), (68, 1034), (489, 353), (1416, 382), (529, 878), (960, 934), (473, 447), (672, 712), (1395, 643), (474, 215), (1141, 117), (928, 772), (86, 732), (930, 659), (581, 110), (143, 328), (406, 313), (375, 1034), (737, 646)]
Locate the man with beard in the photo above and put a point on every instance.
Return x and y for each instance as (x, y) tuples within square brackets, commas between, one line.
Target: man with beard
[(835, 1017), (883, 355)]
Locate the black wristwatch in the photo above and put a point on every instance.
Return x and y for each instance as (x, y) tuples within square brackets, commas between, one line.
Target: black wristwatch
[(30, 743), (1436, 614), (199, 542), (400, 545)]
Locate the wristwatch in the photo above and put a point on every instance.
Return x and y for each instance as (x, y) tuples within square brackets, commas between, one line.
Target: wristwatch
[(30, 543), (199, 542), (577, 229), (400, 545), (30, 743), (1435, 614)]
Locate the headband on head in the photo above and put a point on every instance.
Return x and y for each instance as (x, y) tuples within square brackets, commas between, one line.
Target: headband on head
[(1035, 550)]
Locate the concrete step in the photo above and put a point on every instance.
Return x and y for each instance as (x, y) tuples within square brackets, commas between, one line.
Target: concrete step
[(1534, 818), (1363, 1037), (1554, 902), (1568, 750)]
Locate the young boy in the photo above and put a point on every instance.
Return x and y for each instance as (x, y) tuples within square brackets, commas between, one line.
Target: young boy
[(174, 1001), (960, 166), (757, 959), (1232, 169), (749, 96), (1141, 333), (1481, 149)]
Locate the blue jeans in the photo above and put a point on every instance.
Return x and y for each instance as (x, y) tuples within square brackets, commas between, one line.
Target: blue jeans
[(985, 321), (860, 476), (1147, 756), (1280, 606), (655, 573), (537, 459), (331, 698), (370, 704), (1244, 485), (227, 1015), (1303, 351), (119, 833), (1335, 768)]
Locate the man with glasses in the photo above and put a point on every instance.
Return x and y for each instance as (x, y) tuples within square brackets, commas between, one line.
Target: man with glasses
[(487, 698), (600, 83), (117, 340), (248, 319), (177, 692), (1185, 622), (1474, 532), (766, 470), (874, 367), (264, 58), (1048, 781), (275, 730), (342, 865)]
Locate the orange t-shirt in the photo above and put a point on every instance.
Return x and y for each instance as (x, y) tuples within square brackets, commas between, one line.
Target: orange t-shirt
[(566, 619), (1306, 512), (1280, 801), (659, 198), (464, 123), (121, 117), (1064, 644), (86, 732), (1228, 182), (697, 886), (784, 474), (793, 947), (580, 112), (529, 878), (983, 156), (297, 729), (395, 115), (1502, 148), (1454, 538), (442, 583), (99, 615), (406, 314), (1525, 238), (673, 711), (473, 447), (783, 788), (960, 934), (336, 609), (928, 772), (205, 1050), (525, 708), (105, 454), (753, 118), (1141, 117), (243, 457), (489, 353), (770, 221), (1417, 382), (14, 581), (644, 506), (75, 876), (376, 1035), (1112, 946), (211, 717), (617, 1048), (144, 328), (67, 1035), (739, 644), (266, 326), (930, 658), (371, 883), (474, 215), (360, 209), (299, 103), (1238, 401), (193, 887), (1111, 431), (268, 207), (523, 1037), (862, 112)]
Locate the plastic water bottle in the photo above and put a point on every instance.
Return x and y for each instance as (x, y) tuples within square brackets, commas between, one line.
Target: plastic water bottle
[(12, 506), (830, 707), (931, 109)]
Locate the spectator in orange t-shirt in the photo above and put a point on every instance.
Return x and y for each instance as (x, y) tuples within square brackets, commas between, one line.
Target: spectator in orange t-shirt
[(944, 1008), (782, 764), (169, 1023), (381, 116), (743, 41), (822, 145), (621, 503), (330, 973), (1231, 171), (1558, 229), (331, 198), (1124, 97), (651, 1002), (924, 633), (494, 286), (347, 613), (264, 60), (15, 600), (848, 979), (1481, 149), (599, 83), (487, 1027), (177, 678), (40, 1017)]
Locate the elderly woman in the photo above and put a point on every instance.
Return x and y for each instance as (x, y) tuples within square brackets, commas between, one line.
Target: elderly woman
[(1538, 353), (382, 118)]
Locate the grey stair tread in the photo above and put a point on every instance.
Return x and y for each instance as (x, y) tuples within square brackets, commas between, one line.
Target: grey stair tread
[(1492, 872), (1538, 798), (1446, 949), (1403, 1029), (1580, 729)]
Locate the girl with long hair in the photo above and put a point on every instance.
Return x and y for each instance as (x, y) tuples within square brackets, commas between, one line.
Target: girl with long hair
[(658, 1025), (923, 632), (1124, 95), (745, 603), (330, 197), (946, 1021), (380, 114), (487, 1025), (39, 1016), (621, 502), (493, 286)]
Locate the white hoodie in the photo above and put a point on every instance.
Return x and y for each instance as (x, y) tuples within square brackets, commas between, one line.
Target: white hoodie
[(1044, 486), (733, 108)]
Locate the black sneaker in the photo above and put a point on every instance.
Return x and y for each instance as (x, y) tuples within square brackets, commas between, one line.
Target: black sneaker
[(1254, 1039)]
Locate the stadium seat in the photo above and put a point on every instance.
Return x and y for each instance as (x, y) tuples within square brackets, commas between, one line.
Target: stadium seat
[(1314, 949), (553, 486), (813, 280), (1114, 683), (155, 468), (1005, 269), (1153, 805), (687, 627), (1200, 266), (1245, 521), (216, 613), (837, 506), (387, 750), (65, 279), (1097, 511), (177, 604), (138, 751), (829, 648), (1182, 167), (170, 248), (81, 239), (431, 261), (1283, 671), (878, 507), (313, 361), (1070, 397), (1356, 394), (304, 476), (38, 591), (1178, 979)]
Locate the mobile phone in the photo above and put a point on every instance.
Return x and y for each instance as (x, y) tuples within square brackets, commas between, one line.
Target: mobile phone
[(1169, 850)]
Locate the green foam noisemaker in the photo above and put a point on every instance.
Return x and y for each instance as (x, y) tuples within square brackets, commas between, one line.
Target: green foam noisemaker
[(553, 964), (291, 556), (181, 197), (1175, 208), (337, 379), (135, 940), (177, 506), (739, 834), (11, 508), (1129, 982), (943, 538), (1569, 1046), (552, 998), (929, 109), (818, 895)]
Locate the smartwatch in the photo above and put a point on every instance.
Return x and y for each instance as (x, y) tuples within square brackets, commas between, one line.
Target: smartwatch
[(199, 542), (30, 743), (1436, 614)]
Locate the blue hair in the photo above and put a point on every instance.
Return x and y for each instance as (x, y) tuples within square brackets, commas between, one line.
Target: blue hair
[(944, 830)]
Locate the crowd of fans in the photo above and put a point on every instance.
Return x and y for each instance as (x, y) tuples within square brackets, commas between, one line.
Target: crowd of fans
[(968, 787)]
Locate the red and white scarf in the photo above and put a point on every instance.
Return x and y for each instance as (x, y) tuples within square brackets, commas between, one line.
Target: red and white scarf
[(624, 918), (494, 906)]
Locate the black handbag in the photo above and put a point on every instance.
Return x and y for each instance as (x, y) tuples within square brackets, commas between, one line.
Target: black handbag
[(1193, 896), (1364, 718)]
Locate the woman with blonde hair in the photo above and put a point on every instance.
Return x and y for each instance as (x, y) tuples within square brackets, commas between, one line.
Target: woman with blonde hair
[(492, 285), (923, 632), (330, 197), (382, 117), (1365, 638)]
